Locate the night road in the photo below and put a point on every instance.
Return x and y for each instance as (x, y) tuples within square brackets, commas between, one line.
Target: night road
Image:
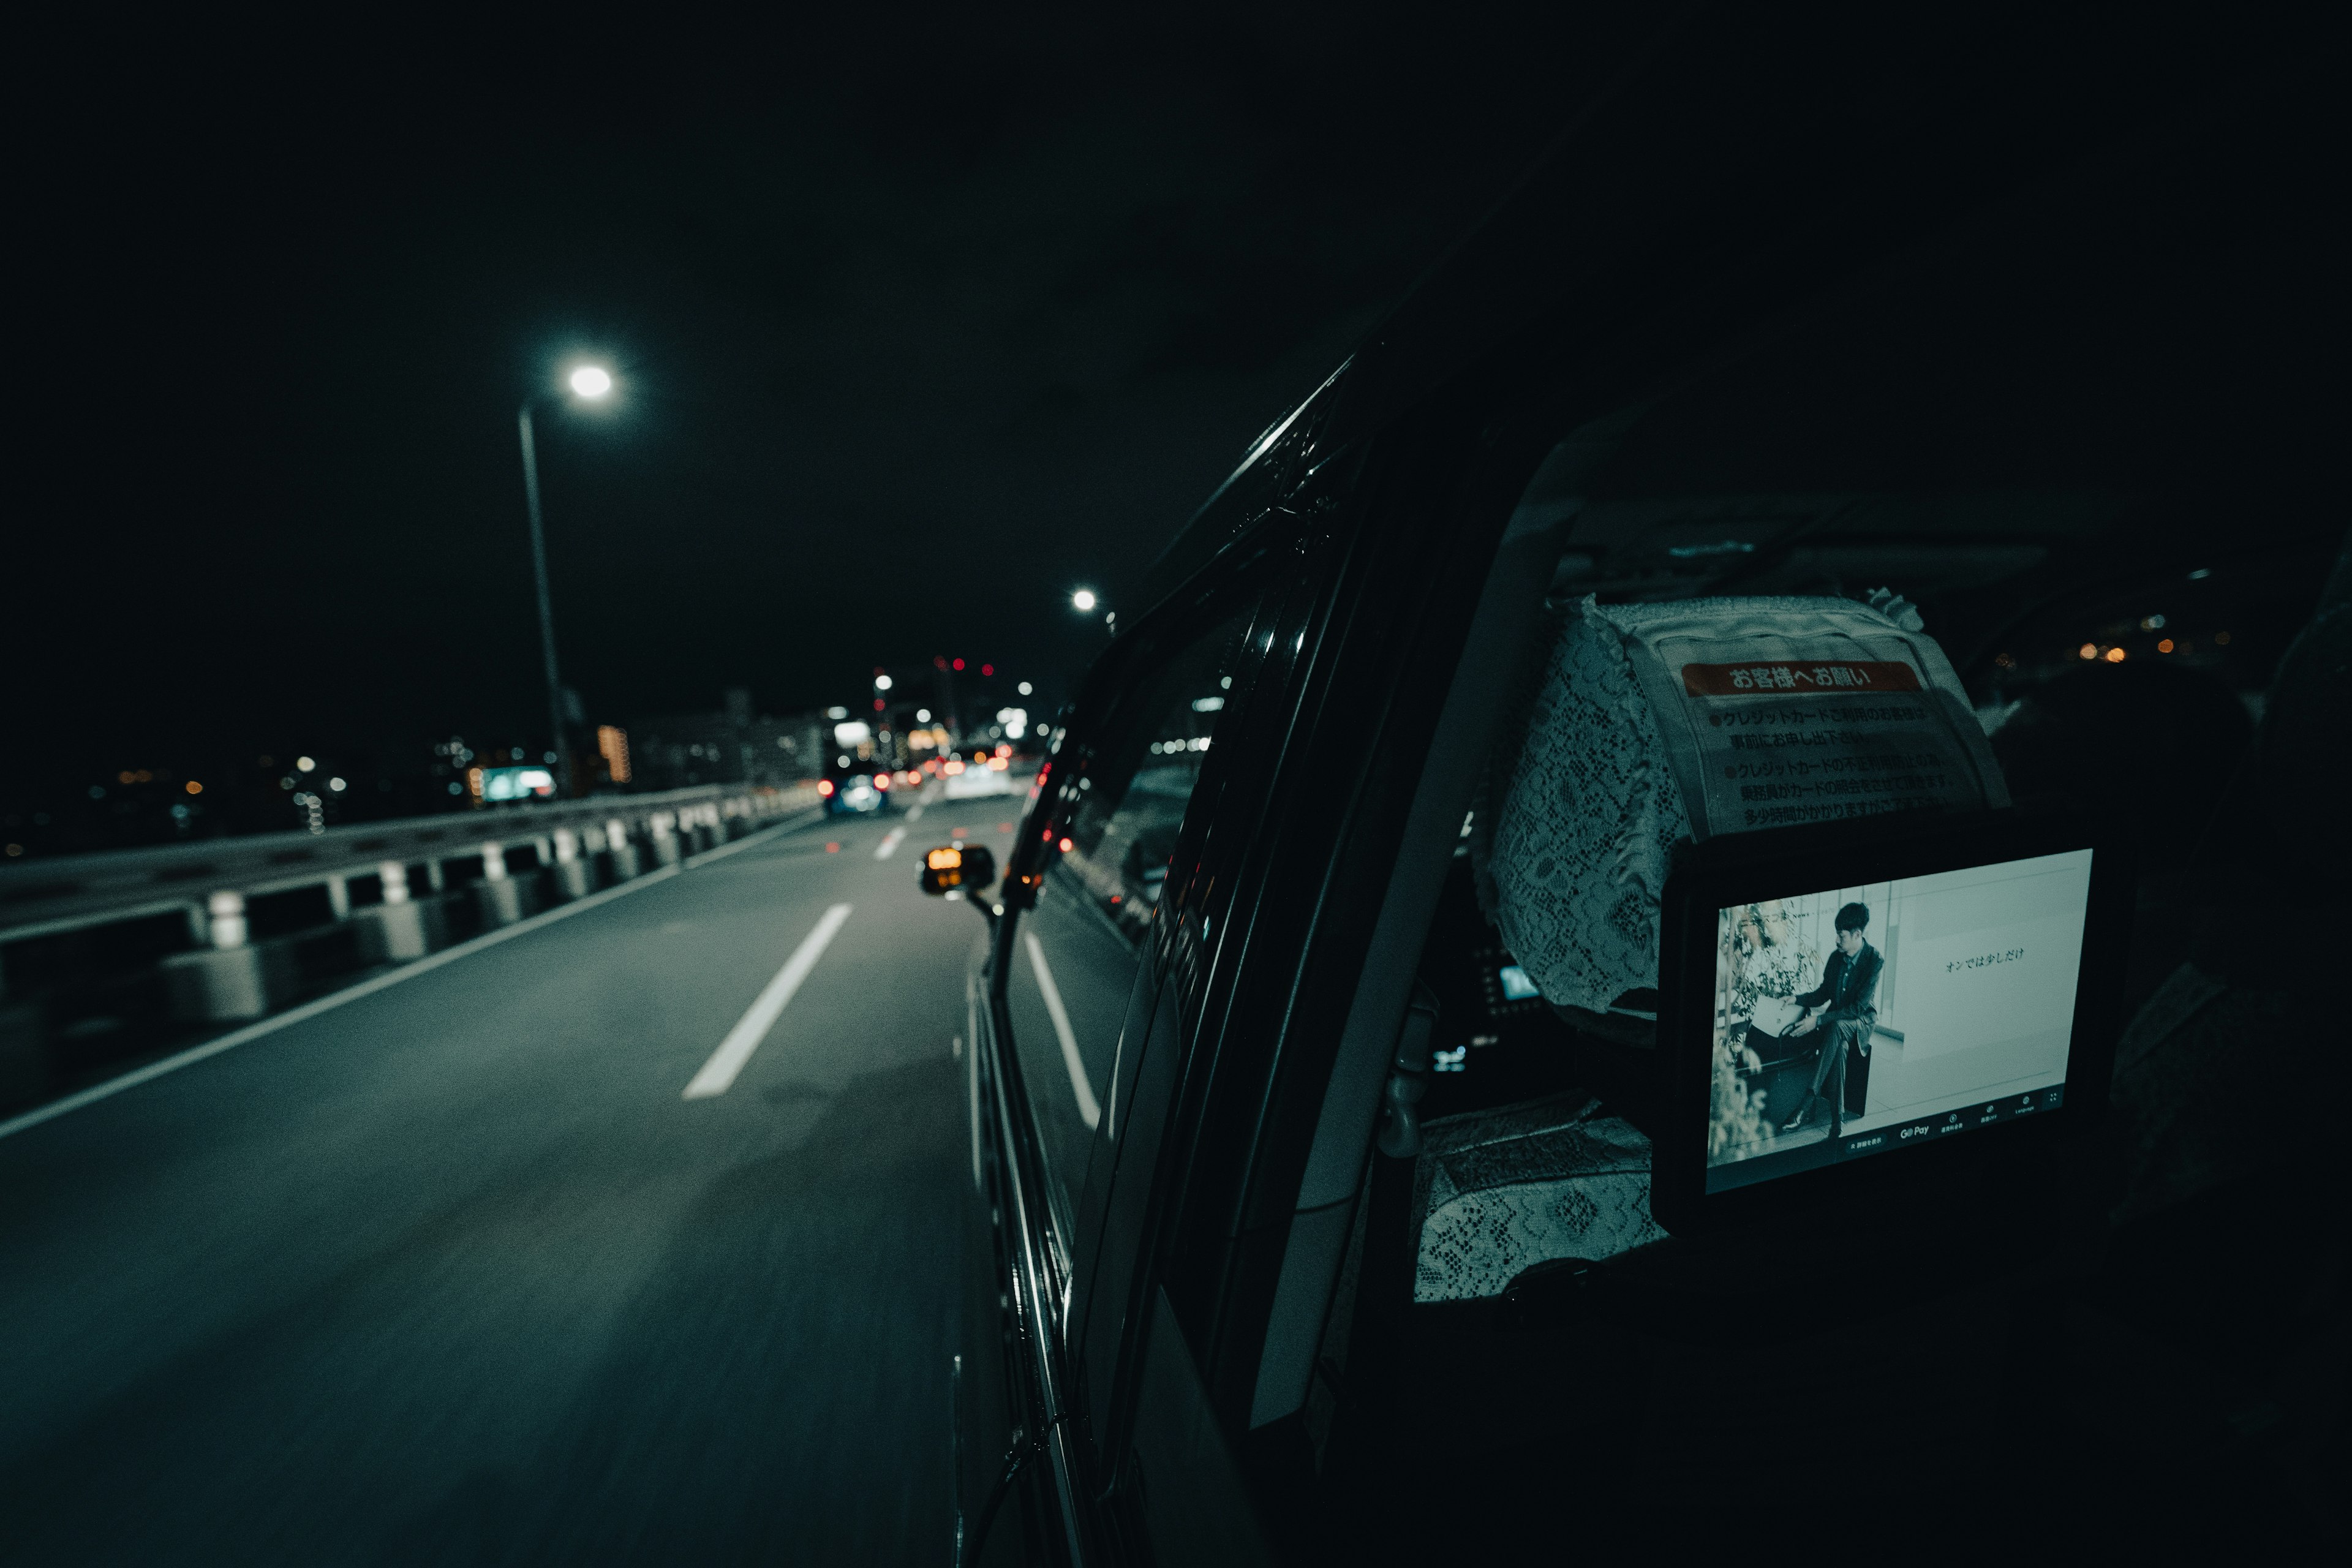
[(457, 1272), (991, 789)]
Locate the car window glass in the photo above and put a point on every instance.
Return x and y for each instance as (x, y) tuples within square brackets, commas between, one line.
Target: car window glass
[(1122, 797)]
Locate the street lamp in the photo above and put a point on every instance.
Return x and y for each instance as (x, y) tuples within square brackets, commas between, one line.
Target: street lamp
[(590, 383)]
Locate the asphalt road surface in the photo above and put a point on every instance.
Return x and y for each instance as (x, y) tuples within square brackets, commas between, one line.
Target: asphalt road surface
[(459, 1271)]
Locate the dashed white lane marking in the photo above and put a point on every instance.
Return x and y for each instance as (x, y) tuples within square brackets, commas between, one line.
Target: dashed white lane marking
[(890, 841), (915, 811), (719, 1073), (1090, 1110)]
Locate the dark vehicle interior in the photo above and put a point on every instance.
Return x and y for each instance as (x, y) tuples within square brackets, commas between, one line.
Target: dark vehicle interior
[(2074, 434), (2038, 385)]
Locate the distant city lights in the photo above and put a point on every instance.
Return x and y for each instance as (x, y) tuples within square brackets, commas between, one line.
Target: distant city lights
[(881, 683), (1023, 689), (1083, 600), (304, 764), (591, 381)]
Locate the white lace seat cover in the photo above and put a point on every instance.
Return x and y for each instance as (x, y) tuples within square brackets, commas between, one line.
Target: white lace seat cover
[(1589, 816), (1624, 715), (1500, 1191)]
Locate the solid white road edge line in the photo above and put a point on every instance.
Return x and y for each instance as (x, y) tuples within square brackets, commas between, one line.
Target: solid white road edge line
[(719, 1073), (1089, 1111), (326, 1004), (890, 841)]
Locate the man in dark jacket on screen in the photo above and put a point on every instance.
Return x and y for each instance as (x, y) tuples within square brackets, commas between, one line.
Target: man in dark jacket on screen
[(1846, 1006)]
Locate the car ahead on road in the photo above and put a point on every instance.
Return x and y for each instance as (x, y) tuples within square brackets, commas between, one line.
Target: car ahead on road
[(855, 789), (974, 774), (2013, 322)]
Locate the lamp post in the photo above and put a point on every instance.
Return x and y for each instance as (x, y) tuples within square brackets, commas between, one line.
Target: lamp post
[(591, 383)]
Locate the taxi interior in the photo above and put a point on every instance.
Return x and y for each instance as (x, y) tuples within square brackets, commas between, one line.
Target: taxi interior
[(2077, 428), (2076, 435)]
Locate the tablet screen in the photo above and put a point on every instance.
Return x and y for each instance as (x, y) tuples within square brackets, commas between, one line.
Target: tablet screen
[(1851, 1022)]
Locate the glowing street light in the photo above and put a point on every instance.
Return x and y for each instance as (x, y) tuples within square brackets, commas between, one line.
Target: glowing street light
[(1083, 600), (590, 383)]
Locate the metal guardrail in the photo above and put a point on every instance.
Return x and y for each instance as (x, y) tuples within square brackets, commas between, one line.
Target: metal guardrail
[(38, 898)]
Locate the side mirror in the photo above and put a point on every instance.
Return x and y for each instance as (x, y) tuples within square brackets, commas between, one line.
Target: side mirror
[(969, 867)]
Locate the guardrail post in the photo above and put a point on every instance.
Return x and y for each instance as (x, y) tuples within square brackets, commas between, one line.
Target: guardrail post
[(339, 896), (232, 979), (228, 928), (621, 854), (399, 930), (573, 878), (661, 831), (504, 900)]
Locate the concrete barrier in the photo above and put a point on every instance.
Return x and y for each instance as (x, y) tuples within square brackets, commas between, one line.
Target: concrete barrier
[(400, 929), (400, 933), (573, 878), (621, 859), (661, 837), (581, 846), (233, 978), (502, 899)]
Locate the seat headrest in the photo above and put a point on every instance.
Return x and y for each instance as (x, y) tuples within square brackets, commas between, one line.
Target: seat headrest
[(1652, 723)]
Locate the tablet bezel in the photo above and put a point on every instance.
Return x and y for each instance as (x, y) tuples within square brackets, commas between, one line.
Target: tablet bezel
[(1739, 869)]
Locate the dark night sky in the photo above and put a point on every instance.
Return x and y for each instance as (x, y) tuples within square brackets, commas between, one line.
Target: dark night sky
[(920, 327)]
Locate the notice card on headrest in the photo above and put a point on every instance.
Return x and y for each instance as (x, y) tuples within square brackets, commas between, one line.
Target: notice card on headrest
[(1776, 713)]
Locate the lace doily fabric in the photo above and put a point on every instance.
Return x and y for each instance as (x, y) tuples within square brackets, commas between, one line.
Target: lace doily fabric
[(1498, 1191), (1589, 818), (1655, 723)]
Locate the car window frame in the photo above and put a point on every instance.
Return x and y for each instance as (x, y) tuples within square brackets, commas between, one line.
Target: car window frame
[(1109, 699)]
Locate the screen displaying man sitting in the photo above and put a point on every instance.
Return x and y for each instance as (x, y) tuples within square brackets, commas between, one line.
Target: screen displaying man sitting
[(1856, 1020), (1843, 1010)]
